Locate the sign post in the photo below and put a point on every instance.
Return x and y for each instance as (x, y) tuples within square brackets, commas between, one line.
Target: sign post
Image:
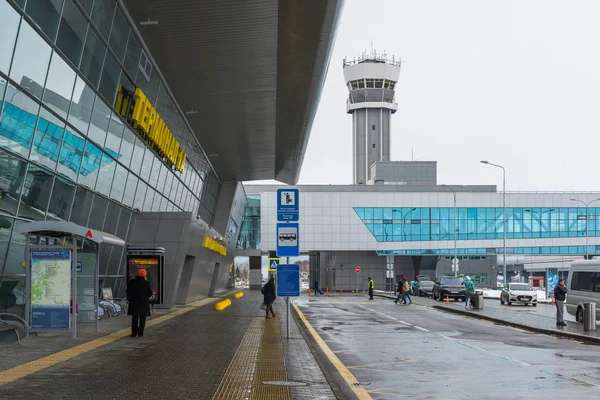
[(288, 285)]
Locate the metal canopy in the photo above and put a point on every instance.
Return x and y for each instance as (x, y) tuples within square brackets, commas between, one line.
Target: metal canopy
[(61, 229), (251, 72)]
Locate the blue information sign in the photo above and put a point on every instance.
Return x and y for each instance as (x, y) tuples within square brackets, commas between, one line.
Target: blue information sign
[(287, 205), (287, 240), (288, 280)]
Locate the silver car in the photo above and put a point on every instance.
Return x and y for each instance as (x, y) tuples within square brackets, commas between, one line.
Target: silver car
[(518, 293)]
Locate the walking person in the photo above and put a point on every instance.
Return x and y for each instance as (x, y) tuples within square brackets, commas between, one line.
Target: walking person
[(371, 287), (560, 292), (469, 291), (139, 292), (269, 296), (406, 292), (316, 287), (399, 291)]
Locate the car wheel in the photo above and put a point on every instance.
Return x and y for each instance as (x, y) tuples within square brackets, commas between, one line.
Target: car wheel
[(579, 315), (534, 304), (509, 303), (501, 300)]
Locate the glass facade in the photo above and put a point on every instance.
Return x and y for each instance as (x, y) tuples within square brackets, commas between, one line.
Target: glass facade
[(65, 152), (535, 250), (426, 224), (250, 232)]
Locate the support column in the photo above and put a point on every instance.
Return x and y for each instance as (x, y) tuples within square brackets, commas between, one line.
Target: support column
[(255, 272), (389, 273)]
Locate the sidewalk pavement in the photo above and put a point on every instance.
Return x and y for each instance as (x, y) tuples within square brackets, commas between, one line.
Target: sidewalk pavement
[(516, 316)]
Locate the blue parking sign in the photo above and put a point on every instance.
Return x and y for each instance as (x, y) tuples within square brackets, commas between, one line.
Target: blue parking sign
[(288, 280), (287, 205)]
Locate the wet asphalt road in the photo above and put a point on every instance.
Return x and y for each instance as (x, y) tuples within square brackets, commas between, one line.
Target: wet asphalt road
[(418, 352)]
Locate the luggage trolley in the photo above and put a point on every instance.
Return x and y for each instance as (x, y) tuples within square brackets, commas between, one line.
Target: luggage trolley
[(152, 259)]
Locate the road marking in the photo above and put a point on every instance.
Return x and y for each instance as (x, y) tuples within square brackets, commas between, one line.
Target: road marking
[(422, 329), (512, 360), (360, 392), (23, 370), (385, 315)]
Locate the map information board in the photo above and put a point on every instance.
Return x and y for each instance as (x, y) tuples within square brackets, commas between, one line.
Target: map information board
[(50, 289)]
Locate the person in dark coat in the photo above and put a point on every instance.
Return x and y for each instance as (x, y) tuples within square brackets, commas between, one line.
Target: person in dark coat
[(139, 292), (269, 296)]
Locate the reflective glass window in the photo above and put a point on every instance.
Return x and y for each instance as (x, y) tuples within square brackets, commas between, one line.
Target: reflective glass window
[(130, 190), (114, 262), (90, 164), (81, 206), (82, 105), (71, 34), (6, 227), (123, 225), (160, 185), (152, 91), (46, 14), (140, 196), (126, 150), (30, 75), (86, 5), (35, 193), (99, 123), (12, 175), (147, 164), (71, 155), (110, 79), (119, 34), (149, 200), (16, 251), (106, 175), (98, 212), (112, 218), (9, 24), (17, 123), (47, 141), (119, 184), (93, 58), (102, 16), (61, 200), (115, 134), (139, 149), (153, 180), (132, 56), (125, 84), (59, 86), (169, 182), (180, 190)]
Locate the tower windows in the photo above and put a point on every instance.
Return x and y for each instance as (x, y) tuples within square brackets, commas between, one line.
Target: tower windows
[(370, 83), (378, 83)]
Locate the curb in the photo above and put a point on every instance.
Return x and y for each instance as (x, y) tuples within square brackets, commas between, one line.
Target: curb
[(551, 332)]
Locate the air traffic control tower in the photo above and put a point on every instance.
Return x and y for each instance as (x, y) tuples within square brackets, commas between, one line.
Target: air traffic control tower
[(371, 80)]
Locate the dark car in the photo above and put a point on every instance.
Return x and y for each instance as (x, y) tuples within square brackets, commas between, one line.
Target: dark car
[(424, 288), (448, 286)]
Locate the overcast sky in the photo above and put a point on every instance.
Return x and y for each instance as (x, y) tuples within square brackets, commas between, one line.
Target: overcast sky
[(515, 82)]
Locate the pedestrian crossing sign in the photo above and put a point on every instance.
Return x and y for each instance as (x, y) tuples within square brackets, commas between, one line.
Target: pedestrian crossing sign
[(273, 263)]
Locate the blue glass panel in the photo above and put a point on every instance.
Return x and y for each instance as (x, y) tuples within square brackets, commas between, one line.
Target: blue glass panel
[(368, 213), (18, 120), (378, 213), (360, 212), (387, 213)]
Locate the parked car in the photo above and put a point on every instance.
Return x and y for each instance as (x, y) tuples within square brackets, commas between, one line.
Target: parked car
[(448, 286), (424, 288), (518, 293), (583, 286)]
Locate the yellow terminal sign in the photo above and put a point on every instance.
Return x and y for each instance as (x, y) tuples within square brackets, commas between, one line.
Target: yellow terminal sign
[(215, 246), (151, 127)]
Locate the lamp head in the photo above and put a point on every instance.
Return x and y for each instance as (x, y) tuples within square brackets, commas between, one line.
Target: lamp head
[(484, 162)]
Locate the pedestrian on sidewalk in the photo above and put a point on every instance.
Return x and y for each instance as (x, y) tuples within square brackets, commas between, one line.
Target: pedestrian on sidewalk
[(316, 287), (560, 292), (139, 292), (269, 296), (406, 292), (469, 291), (399, 291), (371, 287)]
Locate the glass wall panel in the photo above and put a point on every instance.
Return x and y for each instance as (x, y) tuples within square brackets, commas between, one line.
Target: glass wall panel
[(98, 213), (36, 193), (132, 56), (149, 158), (140, 194), (30, 75), (17, 123), (110, 79), (119, 34), (81, 206), (102, 16), (93, 58), (9, 25), (123, 225), (115, 135), (99, 123), (61, 200), (16, 252), (119, 183), (114, 262), (47, 141), (59, 86), (82, 105), (106, 176), (86, 5), (156, 167), (71, 155), (90, 164), (162, 177), (12, 176), (138, 155), (112, 217), (46, 14), (71, 34), (130, 192), (149, 200), (6, 226), (126, 150)]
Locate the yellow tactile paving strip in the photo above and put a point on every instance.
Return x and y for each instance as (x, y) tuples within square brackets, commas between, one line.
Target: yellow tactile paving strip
[(13, 374), (239, 378), (270, 366)]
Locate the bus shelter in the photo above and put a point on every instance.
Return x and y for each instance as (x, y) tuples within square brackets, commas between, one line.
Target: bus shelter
[(62, 274)]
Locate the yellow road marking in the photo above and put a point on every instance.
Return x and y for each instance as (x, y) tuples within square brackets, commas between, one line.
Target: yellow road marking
[(23, 370), (360, 392)]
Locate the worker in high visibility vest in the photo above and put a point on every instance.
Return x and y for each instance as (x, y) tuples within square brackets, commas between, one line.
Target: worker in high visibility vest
[(371, 286)]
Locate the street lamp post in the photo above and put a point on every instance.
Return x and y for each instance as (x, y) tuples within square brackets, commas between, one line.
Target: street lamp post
[(587, 226), (503, 214), (454, 267)]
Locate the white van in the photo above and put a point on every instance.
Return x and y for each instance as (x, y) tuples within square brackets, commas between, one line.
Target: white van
[(583, 286)]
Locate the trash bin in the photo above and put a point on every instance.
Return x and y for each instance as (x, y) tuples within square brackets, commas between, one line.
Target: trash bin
[(479, 300), (589, 316)]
